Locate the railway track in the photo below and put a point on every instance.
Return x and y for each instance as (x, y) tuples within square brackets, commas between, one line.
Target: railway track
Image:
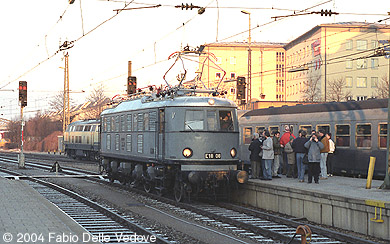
[(102, 223), (244, 222)]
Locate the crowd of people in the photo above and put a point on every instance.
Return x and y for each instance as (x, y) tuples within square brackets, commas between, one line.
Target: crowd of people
[(291, 156)]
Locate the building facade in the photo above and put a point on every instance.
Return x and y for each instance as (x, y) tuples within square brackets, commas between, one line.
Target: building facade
[(336, 62), (331, 62), (267, 69)]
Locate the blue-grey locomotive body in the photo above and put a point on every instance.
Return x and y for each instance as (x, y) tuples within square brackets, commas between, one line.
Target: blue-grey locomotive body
[(185, 143)]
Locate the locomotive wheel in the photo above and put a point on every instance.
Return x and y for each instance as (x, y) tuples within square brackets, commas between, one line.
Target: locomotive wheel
[(178, 190)]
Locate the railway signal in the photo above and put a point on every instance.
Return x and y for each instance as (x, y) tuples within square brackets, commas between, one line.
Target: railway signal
[(241, 87), (23, 93), (131, 85)]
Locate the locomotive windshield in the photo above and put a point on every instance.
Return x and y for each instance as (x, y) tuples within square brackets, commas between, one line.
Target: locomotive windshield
[(215, 120)]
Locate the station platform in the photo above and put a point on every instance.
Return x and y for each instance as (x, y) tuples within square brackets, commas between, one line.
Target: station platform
[(337, 201), (28, 217)]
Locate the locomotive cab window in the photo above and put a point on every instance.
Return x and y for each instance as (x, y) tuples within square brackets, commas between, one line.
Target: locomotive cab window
[(382, 135), (343, 135), (226, 120), (212, 120), (363, 135), (194, 120)]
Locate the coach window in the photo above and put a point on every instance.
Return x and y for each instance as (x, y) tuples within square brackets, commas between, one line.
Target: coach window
[(128, 143), (129, 122), (306, 128), (212, 120), (226, 120), (363, 135), (343, 135), (325, 128), (382, 135), (247, 135), (273, 129), (260, 129), (194, 120), (108, 142)]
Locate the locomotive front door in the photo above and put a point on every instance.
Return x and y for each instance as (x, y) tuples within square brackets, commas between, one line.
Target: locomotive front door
[(161, 135)]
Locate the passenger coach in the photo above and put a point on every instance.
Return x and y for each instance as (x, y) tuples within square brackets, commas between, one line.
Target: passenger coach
[(359, 130)]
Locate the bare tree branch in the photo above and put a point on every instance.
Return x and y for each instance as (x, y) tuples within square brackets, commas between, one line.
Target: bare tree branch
[(337, 90), (311, 90), (382, 89)]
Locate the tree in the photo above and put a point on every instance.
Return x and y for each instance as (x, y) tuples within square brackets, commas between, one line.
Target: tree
[(13, 131), (57, 103), (98, 101), (311, 89), (382, 88), (336, 90)]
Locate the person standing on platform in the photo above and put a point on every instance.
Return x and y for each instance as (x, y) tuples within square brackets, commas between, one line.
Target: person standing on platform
[(314, 155), (268, 156), (255, 157), (277, 154), (329, 159), (324, 154), (290, 158), (299, 148), (283, 141)]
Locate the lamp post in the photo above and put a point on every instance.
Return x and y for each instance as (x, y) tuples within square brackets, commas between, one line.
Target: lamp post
[(249, 91)]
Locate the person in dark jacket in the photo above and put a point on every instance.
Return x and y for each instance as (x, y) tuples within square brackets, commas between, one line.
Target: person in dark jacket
[(314, 146), (300, 151), (255, 158), (284, 139), (277, 154)]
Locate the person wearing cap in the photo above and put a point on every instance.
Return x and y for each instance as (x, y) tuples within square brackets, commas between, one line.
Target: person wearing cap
[(283, 141), (255, 156)]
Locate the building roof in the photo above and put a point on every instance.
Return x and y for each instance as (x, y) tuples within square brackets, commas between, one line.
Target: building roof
[(311, 32)]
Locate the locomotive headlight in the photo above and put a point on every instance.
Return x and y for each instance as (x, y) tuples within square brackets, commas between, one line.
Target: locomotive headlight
[(211, 101), (233, 152), (187, 152)]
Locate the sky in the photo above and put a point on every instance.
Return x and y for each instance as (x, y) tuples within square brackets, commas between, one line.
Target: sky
[(104, 40)]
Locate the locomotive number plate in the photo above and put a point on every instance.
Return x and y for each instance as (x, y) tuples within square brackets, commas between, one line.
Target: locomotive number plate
[(212, 155)]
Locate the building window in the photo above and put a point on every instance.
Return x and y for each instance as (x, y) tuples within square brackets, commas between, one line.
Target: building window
[(374, 82), (361, 82), (218, 76), (349, 45), (232, 75), (232, 90), (361, 64), (349, 64), (361, 98), (348, 81), (374, 44), (232, 60), (374, 63), (219, 60), (361, 45)]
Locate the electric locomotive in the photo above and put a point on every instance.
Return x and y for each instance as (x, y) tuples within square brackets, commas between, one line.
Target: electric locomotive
[(174, 142)]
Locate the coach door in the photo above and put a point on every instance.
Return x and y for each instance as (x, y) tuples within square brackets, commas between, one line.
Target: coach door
[(161, 135)]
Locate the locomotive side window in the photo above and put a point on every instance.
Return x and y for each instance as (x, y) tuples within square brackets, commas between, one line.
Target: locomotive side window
[(117, 127), (128, 143), (363, 135), (212, 120), (326, 128), (113, 124), (108, 142), (306, 128), (135, 121), (108, 121), (382, 135), (343, 135), (247, 135), (194, 120), (152, 121), (226, 120), (140, 144), (141, 122), (129, 122)]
